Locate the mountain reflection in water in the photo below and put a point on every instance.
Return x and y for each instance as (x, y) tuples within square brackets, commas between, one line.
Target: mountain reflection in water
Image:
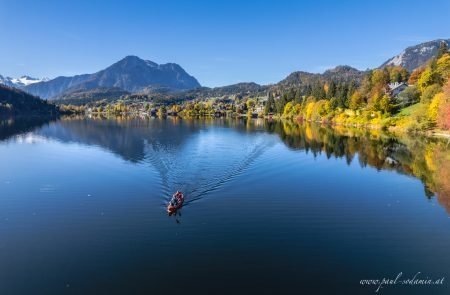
[(165, 144), (138, 140), (83, 204)]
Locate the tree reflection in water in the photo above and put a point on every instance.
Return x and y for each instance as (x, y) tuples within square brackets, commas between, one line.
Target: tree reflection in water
[(166, 145), (427, 159)]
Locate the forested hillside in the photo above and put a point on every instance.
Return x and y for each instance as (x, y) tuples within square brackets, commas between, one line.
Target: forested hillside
[(17, 102)]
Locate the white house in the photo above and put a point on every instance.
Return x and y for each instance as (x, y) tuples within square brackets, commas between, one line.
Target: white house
[(396, 88)]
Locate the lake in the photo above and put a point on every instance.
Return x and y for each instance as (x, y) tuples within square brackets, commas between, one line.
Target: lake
[(271, 208)]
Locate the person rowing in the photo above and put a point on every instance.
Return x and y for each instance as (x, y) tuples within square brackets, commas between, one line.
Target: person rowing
[(176, 202)]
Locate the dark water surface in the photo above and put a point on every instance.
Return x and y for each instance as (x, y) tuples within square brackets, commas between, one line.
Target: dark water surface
[(271, 208)]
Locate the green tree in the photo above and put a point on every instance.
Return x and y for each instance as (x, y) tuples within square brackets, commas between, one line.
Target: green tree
[(298, 96), (385, 104), (331, 90), (341, 95), (443, 49), (290, 95), (409, 95), (280, 103), (356, 100), (318, 91), (270, 105), (429, 92)]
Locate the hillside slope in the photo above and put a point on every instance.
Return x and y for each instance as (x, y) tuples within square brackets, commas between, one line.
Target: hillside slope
[(17, 102), (415, 56)]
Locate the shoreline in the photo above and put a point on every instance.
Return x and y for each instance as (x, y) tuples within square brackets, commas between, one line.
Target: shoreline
[(436, 133)]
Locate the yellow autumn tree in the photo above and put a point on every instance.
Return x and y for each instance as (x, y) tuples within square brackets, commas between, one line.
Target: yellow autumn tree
[(436, 103)]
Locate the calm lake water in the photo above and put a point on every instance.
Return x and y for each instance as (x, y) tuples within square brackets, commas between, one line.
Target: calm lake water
[(271, 208)]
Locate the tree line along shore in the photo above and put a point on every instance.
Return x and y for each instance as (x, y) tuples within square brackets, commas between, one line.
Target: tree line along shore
[(387, 98)]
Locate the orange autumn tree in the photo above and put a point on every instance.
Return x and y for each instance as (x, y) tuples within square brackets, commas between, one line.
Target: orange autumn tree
[(443, 116)]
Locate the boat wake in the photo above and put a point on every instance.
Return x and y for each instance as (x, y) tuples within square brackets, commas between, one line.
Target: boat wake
[(198, 169)]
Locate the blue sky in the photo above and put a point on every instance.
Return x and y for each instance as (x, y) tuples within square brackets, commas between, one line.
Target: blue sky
[(218, 42)]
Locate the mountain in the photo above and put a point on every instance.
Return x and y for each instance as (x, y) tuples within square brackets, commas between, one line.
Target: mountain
[(239, 89), (7, 81), (163, 95), (17, 102), (27, 80), (80, 97), (20, 82), (131, 74), (416, 56), (343, 74), (337, 74)]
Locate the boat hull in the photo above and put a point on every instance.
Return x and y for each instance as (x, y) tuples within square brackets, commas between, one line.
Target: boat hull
[(172, 208)]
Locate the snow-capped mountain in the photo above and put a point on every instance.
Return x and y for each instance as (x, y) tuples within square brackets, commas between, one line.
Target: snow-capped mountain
[(6, 81), (27, 80), (20, 82), (415, 56)]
